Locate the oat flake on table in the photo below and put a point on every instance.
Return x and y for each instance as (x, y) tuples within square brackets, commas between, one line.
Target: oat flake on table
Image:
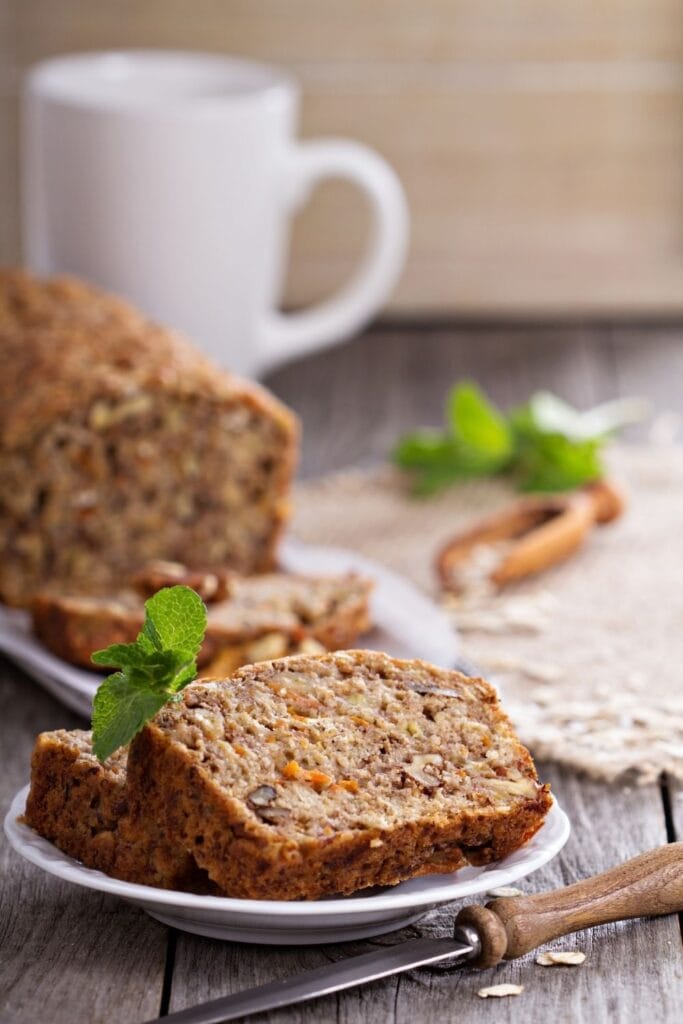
[(561, 958), (590, 654), (500, 991), (504, 891)]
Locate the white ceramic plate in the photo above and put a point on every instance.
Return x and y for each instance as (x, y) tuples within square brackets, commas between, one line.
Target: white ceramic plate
[(297, 922), (407, 625)]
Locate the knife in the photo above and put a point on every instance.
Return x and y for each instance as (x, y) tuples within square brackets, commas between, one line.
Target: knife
[(648, 885)]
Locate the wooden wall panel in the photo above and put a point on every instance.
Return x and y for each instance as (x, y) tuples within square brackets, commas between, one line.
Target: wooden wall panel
[(540, 142), (320, 31)]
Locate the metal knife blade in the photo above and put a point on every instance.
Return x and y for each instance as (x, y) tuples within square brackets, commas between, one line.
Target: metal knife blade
[(321, 981)]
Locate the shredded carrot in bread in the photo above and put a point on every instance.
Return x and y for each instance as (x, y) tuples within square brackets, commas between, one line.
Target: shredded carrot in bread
[(301, 702), (239, 749), (350, 785), (319, 780)]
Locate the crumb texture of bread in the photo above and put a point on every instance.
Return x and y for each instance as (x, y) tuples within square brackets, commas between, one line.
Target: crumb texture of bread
[(82, 807), (263, 617), (120, 443), (313, 776)]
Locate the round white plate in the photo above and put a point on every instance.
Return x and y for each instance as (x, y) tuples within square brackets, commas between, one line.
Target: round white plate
[(297, 922), (407, 625)]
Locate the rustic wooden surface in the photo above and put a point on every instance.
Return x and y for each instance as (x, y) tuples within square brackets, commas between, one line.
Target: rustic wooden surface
[(540, 143), (67, 954)]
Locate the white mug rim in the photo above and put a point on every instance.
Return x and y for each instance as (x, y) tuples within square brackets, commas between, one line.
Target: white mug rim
[(61, 79)]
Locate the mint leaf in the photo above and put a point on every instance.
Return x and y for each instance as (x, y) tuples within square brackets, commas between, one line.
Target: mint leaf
[(551, 461), (552, 415), (176, 620), (546, 445), (477, 424), (477, 442), (437, 461), (121, 655), (424, 448), (554, 463), (120, 710), (153, 670)]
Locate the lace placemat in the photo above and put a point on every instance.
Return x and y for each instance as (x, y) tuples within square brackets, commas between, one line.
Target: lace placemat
[(590, 654)]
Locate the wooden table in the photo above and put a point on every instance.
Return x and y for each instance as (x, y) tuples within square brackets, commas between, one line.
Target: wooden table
[(70, 955)]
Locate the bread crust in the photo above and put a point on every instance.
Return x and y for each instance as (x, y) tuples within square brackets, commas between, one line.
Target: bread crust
[(82, 807), (265, 607), (250, 858), (64, 340)]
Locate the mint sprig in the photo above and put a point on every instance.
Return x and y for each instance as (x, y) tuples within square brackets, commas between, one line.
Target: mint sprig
[(545, 445), (152, 670)]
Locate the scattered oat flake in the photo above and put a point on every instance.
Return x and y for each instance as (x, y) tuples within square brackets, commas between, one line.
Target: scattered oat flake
[(505, 890), (568, 957), (500, 990)]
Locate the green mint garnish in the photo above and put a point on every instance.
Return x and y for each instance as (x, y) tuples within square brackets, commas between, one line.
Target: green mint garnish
[(545, 445), (153, 670)]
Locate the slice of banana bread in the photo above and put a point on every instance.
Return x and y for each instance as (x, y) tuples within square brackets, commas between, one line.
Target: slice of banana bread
[(263, 617), (309, 776), (121, 443), (82, 807)]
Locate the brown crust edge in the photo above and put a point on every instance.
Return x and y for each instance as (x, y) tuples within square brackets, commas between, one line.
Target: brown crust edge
[(73, 633)]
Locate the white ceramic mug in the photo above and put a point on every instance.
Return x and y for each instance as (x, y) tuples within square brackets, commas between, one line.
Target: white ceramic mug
[(171, 177)]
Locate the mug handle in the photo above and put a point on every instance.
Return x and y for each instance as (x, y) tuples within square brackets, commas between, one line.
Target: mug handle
[(285, 335)]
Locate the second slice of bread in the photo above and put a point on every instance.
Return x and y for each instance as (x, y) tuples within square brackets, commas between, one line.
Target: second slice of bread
[(311, 776), (262, 617), (82, 807)]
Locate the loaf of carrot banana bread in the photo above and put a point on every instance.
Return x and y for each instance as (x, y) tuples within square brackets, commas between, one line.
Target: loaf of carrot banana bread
[(263, 617), (120, 443), (82, 807), (309, 776)]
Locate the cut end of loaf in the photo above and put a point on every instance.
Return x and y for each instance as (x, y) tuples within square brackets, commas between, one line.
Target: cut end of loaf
[(127, 481), (120, 444)]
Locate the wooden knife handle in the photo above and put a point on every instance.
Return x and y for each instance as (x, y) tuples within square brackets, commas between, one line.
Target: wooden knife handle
[(648, 885)]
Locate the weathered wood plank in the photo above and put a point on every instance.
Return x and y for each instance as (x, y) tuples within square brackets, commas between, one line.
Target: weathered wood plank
[(649, 361), (68, 954), (628, 966), (354, 402), (675, 790), (426, 31)]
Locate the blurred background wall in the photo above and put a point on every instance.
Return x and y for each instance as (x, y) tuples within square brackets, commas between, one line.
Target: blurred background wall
[(540, 141)]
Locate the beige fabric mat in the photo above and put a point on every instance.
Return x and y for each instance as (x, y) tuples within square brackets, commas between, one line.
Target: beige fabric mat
[(589, 656)]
